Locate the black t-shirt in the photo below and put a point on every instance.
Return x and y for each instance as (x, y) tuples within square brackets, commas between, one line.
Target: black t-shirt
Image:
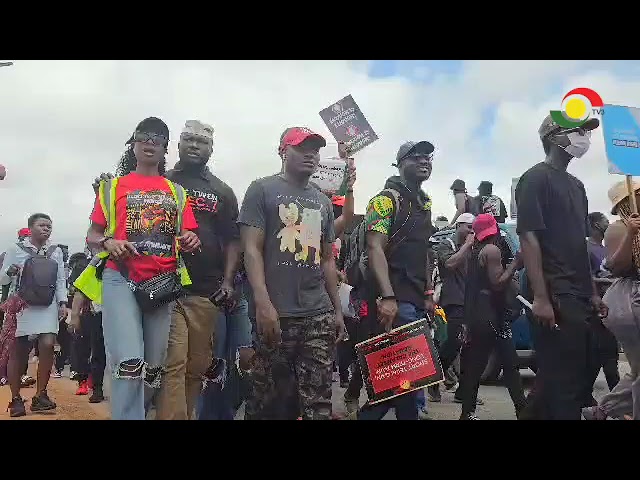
[(453, 279), (407, 256), (553, 204), (215, 207)]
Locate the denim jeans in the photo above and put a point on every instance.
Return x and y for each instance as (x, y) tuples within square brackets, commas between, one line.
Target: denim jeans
[(136, 347), (406, 405), (233, 331)]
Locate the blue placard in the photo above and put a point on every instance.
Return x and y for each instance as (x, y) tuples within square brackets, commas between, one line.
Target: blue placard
[(621, 130)]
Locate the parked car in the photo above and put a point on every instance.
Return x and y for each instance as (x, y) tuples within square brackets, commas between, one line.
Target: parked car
[(520, 327)]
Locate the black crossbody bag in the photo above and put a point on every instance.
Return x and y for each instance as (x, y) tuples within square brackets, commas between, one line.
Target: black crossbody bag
[(155, 292)]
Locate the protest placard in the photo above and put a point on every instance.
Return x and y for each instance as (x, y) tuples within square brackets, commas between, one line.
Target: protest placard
[(330, 176), (399, 362), (347, 124), (621, 131)]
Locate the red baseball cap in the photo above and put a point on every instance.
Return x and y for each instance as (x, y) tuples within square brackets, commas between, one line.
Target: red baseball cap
[(296, 135), (484, 226), (24, 232), (338, 200)]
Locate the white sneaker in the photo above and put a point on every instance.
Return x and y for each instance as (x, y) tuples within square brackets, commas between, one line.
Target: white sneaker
[(56, 374), (72, 375)]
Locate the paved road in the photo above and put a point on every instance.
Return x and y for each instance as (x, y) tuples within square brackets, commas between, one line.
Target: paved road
[(497, 405)]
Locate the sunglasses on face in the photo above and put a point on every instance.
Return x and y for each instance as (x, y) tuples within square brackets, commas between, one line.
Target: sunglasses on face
[(155, 138)]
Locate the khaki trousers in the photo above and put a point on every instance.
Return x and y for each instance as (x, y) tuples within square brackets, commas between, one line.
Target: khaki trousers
[(188, 356)]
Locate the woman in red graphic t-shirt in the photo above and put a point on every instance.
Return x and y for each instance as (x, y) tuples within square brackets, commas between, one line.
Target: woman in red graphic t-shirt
[(142, 247)]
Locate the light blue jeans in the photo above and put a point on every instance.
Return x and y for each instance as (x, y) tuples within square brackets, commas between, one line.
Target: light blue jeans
[(136, 347), (233, 331)]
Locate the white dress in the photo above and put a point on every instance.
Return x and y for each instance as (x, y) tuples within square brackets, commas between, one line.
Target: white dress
[(35, 320)]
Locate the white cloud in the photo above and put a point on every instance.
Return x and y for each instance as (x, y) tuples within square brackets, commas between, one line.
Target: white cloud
[(63, 122)]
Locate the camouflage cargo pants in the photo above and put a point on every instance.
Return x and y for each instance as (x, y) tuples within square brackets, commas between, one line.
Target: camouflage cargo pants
[(294, 379)]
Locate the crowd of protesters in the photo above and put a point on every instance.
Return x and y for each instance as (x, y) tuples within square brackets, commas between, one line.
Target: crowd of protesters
[(194, 305)]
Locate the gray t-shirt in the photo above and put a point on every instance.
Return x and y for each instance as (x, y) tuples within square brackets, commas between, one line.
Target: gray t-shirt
[(296, 222)]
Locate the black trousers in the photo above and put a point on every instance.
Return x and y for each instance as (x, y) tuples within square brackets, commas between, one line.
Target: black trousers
[(605, 355), (474, 358), (346, 350), (451, 348), (88, 355), (358, 332), (98, 359), (565, 358), (64, 340)]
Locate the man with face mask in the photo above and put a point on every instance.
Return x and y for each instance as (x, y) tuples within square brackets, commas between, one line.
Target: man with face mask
[(552, 225), (216, 209)]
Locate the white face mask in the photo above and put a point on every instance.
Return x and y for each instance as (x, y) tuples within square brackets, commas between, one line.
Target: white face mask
[(579, 144)]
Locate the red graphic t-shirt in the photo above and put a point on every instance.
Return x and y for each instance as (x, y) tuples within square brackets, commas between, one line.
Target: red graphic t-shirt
[(146, 216)]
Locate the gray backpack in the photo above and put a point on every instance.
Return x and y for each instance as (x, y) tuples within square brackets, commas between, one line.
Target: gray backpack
[(38, 278)]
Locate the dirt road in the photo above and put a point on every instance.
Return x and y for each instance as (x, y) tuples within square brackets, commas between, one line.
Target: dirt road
[(62, 391)]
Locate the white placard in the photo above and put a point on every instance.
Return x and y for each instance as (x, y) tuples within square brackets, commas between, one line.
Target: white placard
[(330, 174)]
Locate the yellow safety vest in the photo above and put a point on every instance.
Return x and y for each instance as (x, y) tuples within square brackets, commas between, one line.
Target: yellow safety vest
[(89, 282)]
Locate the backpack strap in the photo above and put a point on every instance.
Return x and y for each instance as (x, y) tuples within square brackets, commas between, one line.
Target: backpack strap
[(399, 222), (107, 197), (23, 247), (51, 250)]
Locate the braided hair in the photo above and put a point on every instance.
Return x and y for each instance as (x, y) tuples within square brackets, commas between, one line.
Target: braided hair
[(624, 211), (128, 163)]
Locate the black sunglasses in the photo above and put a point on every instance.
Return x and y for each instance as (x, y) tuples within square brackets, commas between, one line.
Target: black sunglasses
[(155, 138)]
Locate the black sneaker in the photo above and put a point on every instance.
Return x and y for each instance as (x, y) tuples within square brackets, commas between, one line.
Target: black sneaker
[(97, 395), (42, 403), (16, 407)]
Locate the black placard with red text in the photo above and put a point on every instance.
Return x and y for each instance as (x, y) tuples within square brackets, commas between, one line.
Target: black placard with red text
[(399, 362)]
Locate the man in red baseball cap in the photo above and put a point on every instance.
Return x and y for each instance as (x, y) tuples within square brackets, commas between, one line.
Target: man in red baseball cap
[(23, 233), (295, 136), (485, 316), (287, 231)]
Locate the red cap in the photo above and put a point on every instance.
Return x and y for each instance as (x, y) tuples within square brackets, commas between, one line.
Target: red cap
[(484, 226), (24, 232), (296, 135), (338, 200)]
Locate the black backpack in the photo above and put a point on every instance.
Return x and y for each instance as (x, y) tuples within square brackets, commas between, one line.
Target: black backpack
[(356, 262), (38, 278)]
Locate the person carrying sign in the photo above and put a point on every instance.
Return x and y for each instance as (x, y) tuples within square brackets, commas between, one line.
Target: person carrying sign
[(398, 226)]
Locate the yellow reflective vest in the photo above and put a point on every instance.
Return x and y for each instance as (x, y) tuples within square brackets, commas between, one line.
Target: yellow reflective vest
[(89, 282)]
